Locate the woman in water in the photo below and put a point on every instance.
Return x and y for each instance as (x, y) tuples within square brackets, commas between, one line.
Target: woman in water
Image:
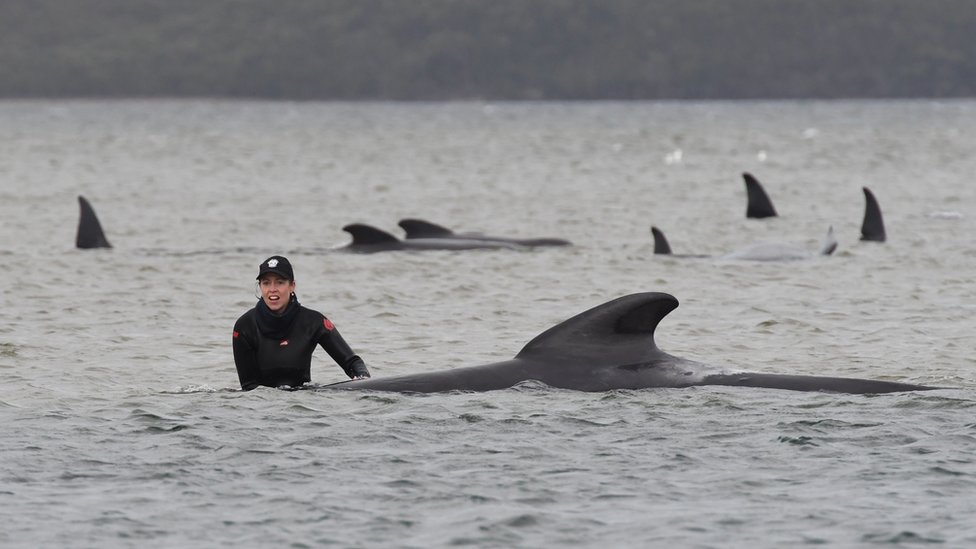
[(274, 341)]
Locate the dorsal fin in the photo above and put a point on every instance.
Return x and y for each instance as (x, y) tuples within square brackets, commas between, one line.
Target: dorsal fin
[(622, 328), (829, 243), (661, 245), (419, 228), (365, 235), (90, 233), (759, 204), (872, 229)]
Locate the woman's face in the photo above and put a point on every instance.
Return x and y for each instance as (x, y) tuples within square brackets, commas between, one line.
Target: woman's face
[(276, 291)]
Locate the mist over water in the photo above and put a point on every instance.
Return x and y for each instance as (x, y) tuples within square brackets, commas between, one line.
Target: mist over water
[(123, 421)]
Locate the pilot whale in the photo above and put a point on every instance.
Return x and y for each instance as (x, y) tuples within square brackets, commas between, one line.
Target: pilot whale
[(420, 228), (609, 347), (760, 206), (369, 239), (771, 251), (90, 234), (758, 203)]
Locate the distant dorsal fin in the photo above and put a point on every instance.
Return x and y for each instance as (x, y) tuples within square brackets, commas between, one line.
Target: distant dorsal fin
[(625, 324), (759, 204), (872, 229), (661, 245), (90, 234), (365, 235), (419, 228), (829, 243)]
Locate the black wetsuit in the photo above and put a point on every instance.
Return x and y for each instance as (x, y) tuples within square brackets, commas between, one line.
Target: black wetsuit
[(276, 351)]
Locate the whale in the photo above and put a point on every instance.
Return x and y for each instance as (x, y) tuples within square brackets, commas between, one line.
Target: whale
[(766, 251), (872, 226), (90, 234), (610, 347), (369, 239), (421, 228), (758, 204)]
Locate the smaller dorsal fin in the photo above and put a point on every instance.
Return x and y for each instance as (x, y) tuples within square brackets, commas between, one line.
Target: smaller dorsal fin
[(90, 234), (625, 324), (872, 229), (661, 245), (365, 235), (419, 228), (759, 205), (829, 243)]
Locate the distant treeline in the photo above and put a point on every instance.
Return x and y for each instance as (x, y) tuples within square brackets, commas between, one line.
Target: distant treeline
[(488, 49)]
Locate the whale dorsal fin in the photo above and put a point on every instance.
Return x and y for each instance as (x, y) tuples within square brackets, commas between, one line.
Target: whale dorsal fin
[(419, 228), (619, 330), (661, 245), (90, 234), (829, 243), (365, 235), (872, 228), (759, 204)]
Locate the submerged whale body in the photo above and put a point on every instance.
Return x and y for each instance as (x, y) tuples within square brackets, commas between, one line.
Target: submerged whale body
[(90, 234), (420, 228), (757, 252), (605, 348), (759, 205), (369, 239)]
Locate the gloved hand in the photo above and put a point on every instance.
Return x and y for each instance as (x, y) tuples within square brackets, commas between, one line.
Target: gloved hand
[(359, 370)]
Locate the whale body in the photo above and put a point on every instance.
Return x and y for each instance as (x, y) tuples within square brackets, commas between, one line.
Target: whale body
[(771, 251), (609, 347), (420, 228), (369, 239)]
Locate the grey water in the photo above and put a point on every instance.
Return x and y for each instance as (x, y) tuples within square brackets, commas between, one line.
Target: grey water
[(122, 423)]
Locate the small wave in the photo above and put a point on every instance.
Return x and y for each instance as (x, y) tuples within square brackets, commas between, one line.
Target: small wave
[(191, 389), (798, 441), (903, 537), (8, 350), (946, 215)]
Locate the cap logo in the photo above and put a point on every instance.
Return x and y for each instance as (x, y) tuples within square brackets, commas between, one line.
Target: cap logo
[(272, 263)]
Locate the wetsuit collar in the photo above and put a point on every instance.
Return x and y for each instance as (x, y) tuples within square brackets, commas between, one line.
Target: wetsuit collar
[(276, 326)]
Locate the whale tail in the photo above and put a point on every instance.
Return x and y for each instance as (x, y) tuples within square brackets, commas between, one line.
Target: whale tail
[(759, 204), (872, 228), (829, 243), (367, 235), (661, 246), (419, 228), (90, 234)]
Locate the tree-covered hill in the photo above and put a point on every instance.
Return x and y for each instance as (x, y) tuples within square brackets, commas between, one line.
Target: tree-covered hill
[(488, 49)]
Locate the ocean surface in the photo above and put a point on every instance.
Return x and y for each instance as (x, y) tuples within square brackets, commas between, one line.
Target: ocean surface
[(123, 424)]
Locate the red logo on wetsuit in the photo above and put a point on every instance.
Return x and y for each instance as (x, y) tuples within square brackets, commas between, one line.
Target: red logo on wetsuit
[(236, 334), (328, 324)]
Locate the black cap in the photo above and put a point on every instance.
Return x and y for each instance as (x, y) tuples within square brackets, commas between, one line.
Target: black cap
[(277, 265)]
